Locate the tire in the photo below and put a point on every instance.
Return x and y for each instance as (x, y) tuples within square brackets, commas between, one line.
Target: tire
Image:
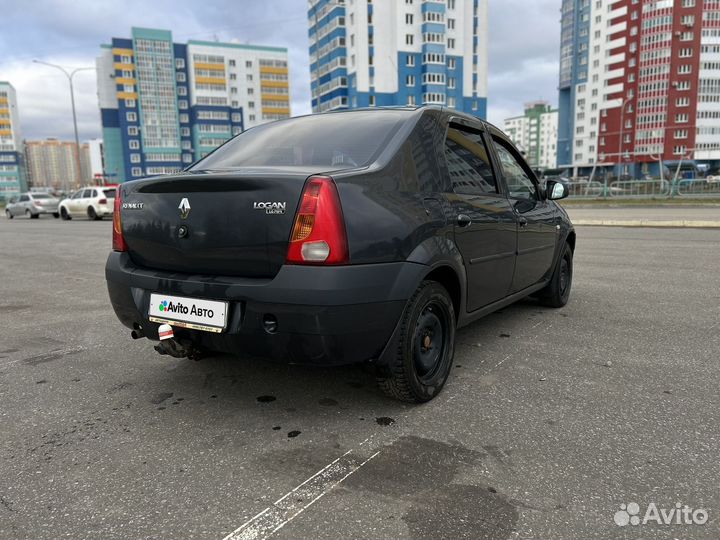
[(92, 214), (8, 214), (56, 215), (64, 214), (30, 215), (557, 293), (420, 366)]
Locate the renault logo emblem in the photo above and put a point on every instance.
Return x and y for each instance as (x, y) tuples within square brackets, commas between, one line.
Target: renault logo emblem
[(184, 208)]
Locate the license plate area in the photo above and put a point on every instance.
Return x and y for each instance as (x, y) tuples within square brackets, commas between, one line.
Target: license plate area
[(194, 313)]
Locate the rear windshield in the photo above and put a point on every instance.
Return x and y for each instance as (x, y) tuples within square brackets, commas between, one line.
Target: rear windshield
[(40, 196), (109, 193), (333, 141)]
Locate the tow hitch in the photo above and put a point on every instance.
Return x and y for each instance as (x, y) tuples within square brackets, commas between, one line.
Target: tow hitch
[(172, 347)]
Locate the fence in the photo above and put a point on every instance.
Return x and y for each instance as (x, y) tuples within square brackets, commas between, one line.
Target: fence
[(583, 188)]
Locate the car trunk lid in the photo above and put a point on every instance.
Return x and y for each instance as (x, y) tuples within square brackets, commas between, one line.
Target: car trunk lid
[(235, 224)]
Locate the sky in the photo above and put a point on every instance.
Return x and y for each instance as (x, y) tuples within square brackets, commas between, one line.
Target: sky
[(523, 50)]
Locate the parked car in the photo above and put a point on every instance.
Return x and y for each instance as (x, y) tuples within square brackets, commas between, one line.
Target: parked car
[(364, 235), (94, 203), (32, 205)]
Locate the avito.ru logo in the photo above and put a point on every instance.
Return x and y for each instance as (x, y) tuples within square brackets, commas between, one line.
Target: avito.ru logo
[(681, 514)]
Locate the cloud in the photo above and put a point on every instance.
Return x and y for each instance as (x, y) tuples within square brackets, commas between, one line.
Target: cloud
[(523, 49)]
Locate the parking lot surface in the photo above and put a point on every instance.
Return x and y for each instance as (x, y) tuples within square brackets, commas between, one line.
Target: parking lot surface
[(551, 420)]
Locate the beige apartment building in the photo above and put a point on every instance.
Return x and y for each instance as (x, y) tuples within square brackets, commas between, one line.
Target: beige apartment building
[(52, 163)]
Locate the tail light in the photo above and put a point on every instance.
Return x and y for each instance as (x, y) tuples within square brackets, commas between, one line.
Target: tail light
[(318, 235), (102, 201), (118, 241), (37, 202)]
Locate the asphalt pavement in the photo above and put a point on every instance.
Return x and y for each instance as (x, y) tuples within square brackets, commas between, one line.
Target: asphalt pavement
[(551, 421)]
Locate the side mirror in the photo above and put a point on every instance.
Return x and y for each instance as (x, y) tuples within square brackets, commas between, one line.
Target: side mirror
[(556, 190)]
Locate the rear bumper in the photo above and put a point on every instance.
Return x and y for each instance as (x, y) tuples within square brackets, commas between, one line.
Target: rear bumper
[(44, 210), (326, 315)]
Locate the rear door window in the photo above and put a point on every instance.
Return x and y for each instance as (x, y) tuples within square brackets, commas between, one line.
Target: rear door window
[(468, 163), (87, 194), (109, 193)]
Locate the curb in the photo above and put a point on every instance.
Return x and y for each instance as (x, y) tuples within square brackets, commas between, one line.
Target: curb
[(669, 223)]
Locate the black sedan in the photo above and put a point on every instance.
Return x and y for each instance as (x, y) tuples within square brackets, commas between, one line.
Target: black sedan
[(355, 236)]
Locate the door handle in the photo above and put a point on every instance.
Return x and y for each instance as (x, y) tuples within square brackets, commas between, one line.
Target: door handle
[(463, 220), (522, 221)]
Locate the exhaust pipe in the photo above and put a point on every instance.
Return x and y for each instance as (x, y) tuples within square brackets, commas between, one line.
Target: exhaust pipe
[(138, 332)]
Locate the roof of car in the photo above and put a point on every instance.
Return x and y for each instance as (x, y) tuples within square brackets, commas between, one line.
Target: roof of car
[(410, 108)]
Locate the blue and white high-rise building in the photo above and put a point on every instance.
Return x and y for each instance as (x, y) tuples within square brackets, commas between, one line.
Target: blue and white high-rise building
[(366, 53), (12, 177), (164, 104)]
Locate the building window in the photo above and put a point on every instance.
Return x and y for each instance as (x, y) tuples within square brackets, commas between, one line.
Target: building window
[(184, 132), (184, 118), (133, 144), (372, 101), (451, 83), (410, 80), (411, 100), (235, 118), (451, 63), (136, 171), (128, 88), (249, 77), (251, 104), (408, 18), (451, 43), (410, 60), (182, 104), (251, 118), (251, 91), (248, 63), (132, 131), (179, 63), (182, 91), (451, 24), (131, 116), (187, 158), (409, 39), (125, 59), (186, 145), (134, 158), (180, 76)]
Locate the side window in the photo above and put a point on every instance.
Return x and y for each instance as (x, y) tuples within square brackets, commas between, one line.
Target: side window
[(94, 193), (519, 183), (24, 198), (77, 195), (87, 194), (468, 163)]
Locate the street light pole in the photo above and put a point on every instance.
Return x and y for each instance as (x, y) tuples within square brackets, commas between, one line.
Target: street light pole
[(622, 127), (70, 76)]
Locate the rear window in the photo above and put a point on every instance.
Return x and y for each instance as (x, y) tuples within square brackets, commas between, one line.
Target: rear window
[(332, 141), (40, 196), (109, 193)]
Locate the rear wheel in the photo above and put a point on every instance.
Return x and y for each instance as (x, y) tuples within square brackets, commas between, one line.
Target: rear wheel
[(56, 215), (8, 214), (557, 293), (64, 214), (92, 214), (425, 347), (29, 214)]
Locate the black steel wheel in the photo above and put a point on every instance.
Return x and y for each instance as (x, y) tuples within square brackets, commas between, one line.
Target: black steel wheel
[(425, 347)]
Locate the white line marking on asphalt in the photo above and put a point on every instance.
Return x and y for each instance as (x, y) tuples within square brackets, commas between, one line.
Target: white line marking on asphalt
[(500, 362), (299, 499)]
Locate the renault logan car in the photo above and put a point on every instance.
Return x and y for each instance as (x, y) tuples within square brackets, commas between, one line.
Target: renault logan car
[(32, 205), (356, 236)]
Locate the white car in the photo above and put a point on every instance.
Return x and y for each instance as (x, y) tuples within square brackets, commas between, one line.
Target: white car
[(94, 203)]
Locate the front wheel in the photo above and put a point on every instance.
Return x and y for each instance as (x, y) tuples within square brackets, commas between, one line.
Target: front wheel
[(56, 215), (8, 214), (64, 214), (421, 364), (557, 293), (92, 214)]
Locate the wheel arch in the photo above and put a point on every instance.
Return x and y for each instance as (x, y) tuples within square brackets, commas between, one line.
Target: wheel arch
[(446, 276)]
